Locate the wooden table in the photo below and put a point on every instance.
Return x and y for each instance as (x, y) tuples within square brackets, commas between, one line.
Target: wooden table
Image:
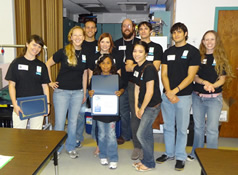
[(30, 148), (217, 161)]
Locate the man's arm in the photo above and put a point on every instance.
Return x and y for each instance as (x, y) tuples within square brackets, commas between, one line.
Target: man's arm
[(130, 66)]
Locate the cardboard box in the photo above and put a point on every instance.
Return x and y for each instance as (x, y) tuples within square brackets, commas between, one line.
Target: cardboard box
[(225, 111)]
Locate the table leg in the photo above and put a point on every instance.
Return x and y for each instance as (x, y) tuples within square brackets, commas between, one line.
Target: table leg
[(56, 162)]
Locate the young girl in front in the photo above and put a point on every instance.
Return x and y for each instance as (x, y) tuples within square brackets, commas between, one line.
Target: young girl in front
[(107, 141)]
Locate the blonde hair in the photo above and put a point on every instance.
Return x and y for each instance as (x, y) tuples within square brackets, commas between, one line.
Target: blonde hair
[(219, 54), (69, 49)]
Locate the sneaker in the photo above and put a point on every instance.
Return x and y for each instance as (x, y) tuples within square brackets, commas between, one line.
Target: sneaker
[(78, 144), (73, 154), (179, 166), (163, 158), (135, 154), (190, 158), (104, 161), (113, 165)]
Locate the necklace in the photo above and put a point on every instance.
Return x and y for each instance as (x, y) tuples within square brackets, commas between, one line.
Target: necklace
[(77, 55)]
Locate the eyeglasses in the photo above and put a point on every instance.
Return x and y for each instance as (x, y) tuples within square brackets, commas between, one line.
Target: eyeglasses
[(127, 26)]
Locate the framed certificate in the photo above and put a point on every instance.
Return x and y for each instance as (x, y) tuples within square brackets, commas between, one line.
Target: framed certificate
[(105, 105), (32, 106)]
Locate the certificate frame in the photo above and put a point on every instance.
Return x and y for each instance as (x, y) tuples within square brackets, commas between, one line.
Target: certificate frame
[(32, 106), (105, 105)]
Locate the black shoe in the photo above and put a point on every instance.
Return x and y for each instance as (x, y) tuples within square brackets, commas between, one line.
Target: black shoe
[(163, 158), (190, 158), (120, 140), (179, 166)]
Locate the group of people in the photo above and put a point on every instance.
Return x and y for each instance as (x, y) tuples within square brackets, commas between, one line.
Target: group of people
[(191, 78)]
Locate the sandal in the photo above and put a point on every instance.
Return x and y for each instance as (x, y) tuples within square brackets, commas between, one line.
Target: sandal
[(96, 152), (139, 168), (136, 164)]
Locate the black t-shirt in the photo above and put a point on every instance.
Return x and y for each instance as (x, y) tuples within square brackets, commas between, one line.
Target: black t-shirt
[(142, 74), (108, 119), (28, 76), (207, 72), (124, 51), (178, 60), (92, 62), (70, 77), (90, 48), (155, 52)]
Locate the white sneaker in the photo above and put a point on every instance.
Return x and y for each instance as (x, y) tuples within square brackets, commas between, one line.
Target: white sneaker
[(73, 154), (113, 165), (104, 161)]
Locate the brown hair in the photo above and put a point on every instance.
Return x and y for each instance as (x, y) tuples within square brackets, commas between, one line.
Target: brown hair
[(105, 35)]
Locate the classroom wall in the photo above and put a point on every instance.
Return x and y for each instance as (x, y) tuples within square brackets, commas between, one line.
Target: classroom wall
[(7, 30), (199, 16)]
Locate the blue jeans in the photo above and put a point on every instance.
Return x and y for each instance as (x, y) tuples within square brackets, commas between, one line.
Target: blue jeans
[(125, 115), (212, 107), (145, 135), (81, 121), (178, 115), (107, 141), (67, 101)]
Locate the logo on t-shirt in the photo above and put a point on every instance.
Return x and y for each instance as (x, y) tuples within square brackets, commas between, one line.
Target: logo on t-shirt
[(38, 70), (214, 63), (185, 53), (141, 78), (96, 49), (151, 51), (83, 58)]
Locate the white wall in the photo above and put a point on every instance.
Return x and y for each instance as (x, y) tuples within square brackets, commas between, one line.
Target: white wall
[(199, 16), (7, 31)]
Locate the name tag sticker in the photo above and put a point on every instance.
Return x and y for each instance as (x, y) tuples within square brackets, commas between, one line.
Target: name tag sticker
[(170, 57), (136, 74), (122, 47), (22, 67), (204, 61), (150, 58)]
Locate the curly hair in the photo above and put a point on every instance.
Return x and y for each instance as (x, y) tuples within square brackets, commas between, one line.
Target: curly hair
[(98, 70), (219, 54), (69, 49)]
